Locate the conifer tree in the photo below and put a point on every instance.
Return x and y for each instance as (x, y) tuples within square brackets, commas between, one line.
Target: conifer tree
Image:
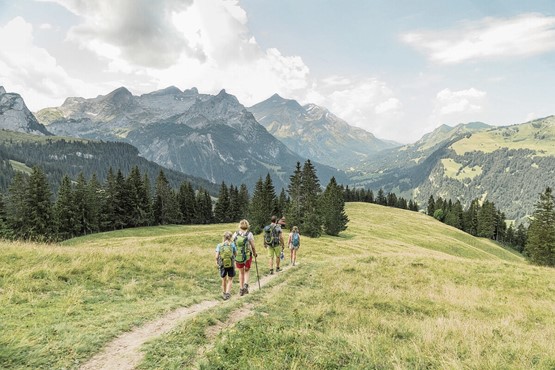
[(470, 218), (270, 198), (234, 204), (333, 209), (134, 184), (39, 206), (82, 206), (243, 202), (222, 209), (310, 189), (257, 210), (186, 199), (17, 217), (381, 199), (431, 206), (166, 207), (282, 203), (521, 237), (65, 211), (486, 220), (540, 246), (94, 199), (294, 212), (203, 207), (108, 213), (146, 196)]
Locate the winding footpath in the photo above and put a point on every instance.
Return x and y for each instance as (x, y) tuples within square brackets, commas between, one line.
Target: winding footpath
[(123, 353)]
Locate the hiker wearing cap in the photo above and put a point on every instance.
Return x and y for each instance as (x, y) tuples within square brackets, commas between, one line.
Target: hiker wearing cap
[(273, 240), (225, 256), (294, 243), (244, 240)]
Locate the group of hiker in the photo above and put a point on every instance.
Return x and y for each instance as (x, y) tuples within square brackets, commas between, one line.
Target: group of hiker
[(237, 250)]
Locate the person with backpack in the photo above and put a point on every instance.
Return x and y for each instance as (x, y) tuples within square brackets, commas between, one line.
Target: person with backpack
[(226, 252), (244, 240), (294, 243), (273, 240)]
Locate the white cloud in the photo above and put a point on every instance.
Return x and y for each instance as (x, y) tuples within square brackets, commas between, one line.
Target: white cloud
[(30, 70), (522, 36), (463, 101), (367, 103)]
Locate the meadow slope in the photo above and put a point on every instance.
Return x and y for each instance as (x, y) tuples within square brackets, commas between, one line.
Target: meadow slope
[(396, 290)]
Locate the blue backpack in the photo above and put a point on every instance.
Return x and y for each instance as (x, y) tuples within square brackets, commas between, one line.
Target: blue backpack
[(295, 240)]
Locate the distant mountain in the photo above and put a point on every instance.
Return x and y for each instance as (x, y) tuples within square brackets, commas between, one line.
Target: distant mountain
[(213, 137), (508, 165), (314, 132), (14, 115)]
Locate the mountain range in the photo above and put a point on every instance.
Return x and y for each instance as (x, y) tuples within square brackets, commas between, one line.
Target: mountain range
[(215, 137), (509, 165), (314, 132), (208, 136)]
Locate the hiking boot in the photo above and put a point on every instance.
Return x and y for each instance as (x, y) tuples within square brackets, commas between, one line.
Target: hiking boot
[(241, 292), (224, 296), (228, 295), (246, 288), (271, 271), (293, 263), (278, 269)]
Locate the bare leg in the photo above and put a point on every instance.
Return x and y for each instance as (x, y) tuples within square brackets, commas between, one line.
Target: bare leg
[(229, 282)]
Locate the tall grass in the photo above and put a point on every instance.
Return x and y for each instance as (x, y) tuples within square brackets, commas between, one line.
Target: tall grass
[(396, 290)]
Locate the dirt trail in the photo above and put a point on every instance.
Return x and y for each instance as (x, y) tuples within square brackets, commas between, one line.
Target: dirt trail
[(123, 352)]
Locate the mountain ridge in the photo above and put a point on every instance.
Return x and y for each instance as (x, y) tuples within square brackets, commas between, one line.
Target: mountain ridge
[(313, 131)]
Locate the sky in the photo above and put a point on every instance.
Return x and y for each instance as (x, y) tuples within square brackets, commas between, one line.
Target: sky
[(398, 69)]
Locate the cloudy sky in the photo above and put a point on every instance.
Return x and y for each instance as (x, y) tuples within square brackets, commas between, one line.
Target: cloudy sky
[(395, 68)]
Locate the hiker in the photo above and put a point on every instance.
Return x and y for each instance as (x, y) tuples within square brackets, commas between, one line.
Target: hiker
[(273, 240), (294, 243), (244, 240), (226, 252)]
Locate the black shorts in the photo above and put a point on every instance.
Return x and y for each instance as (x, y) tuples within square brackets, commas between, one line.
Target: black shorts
[(230, 271)]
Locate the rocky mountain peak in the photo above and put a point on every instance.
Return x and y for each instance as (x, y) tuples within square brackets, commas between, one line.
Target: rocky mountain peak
[(170, 90), (15, 116)]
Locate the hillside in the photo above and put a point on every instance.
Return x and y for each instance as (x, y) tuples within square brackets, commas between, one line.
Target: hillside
[(494, 163), (396, 290), (64, 155)]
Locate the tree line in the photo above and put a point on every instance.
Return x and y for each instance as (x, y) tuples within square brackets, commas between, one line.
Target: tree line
[(390, 199), (29, 210)]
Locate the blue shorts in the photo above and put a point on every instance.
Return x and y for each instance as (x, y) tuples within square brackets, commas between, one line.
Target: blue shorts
[(230, 271)]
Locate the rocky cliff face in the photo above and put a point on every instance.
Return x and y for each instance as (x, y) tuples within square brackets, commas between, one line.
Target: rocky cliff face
[(315, 132), (212, 137), (15, 116)]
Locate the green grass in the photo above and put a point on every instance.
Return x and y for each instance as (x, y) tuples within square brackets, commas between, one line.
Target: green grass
[(538, 135), (396, 290)]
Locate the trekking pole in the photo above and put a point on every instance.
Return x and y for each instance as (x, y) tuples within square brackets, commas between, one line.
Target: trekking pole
[(257, 276)]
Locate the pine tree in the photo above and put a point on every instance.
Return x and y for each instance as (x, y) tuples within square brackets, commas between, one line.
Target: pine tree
[(222, 209), (17, 217), (521, 237), (82, 206), (270, 198), (186, 199), (134, 184), (333, 209), (94, 199), (203, 207), (310, 188), (470, 218), (108, 212), (39, 206), (294, 212), (282, 203), (381, 199), (540, 246), (234, 204), (244, 202), (257, 210), (65, 211), (486, 220), (166, 207)]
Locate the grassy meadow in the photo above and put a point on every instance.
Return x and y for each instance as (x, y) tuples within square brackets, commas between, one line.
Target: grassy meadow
[(396, 290)]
